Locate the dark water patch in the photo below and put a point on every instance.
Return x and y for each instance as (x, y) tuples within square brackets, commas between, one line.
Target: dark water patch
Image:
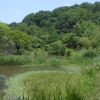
[(12, 70)]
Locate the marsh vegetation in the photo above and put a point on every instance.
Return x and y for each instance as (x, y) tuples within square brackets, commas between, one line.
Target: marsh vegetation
[(52, 55)]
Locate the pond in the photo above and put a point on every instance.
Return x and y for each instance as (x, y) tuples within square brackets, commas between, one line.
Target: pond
[(12, 70), (9, 71)]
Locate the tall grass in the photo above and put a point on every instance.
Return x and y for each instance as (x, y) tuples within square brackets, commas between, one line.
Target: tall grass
[(14, 60), (69, 94), (47, 85), (52, 85), (89, 71)]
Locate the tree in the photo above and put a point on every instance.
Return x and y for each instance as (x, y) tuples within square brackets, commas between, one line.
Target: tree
[(29, 19), (42, 18), (56, 48), (4, 30), (96, 7), (66, 21), (96, 17), (85, 28), (87, 5), (13, 25), (32, 30), (70, 40), (20, 39), (59, 10)]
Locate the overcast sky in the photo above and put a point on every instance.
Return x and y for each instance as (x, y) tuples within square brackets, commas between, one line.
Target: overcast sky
[(16, 10)]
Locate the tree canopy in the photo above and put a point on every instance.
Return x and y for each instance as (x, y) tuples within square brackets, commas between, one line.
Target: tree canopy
[(74, 27)]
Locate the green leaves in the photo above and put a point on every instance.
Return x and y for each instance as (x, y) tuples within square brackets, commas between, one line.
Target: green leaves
[(84, 28), (20, 39), (57, 48), (4, 30)]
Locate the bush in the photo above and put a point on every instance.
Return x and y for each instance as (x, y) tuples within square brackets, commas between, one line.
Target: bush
[(90, 71), (68, 53), (57, 48), (14, 60), (55, 62), (89, 53)]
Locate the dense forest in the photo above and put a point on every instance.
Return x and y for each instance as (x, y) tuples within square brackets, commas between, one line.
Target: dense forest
[(68, 27)]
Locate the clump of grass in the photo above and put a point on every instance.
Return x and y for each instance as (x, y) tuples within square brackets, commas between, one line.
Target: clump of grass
[(54, 62), (89, 71), (96, 62), (69, 94), (40, 60), (51, 85), (14, 60), (89, 53), (32, 83), (73, 94), (68, 53)]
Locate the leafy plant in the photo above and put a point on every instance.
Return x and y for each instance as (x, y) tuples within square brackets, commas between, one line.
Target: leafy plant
[(89, 53)]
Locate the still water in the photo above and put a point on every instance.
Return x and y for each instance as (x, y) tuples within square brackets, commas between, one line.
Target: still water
[(12, 70)]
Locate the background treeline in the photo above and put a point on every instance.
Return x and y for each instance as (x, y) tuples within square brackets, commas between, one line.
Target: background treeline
[(56, 32)]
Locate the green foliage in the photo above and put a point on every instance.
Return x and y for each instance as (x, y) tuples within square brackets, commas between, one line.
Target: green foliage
[(96, 7), (29, 19), (79, 23), (80, 29), (4, 30), (42, 18), (70, 40), (73, 94), (76, 26), (65, 21), (84, 42), (96, 62), (14, 60), (21, 51), (32, 30), (54, 62), (68, 53), (96, 17), (36, 43), (59, 10), (57, 48), (87, 5), (13, 25), (20, 39), (89, 71), (89, 53)]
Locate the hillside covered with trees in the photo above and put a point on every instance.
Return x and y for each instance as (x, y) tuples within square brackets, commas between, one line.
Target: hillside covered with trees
[(68, 27)]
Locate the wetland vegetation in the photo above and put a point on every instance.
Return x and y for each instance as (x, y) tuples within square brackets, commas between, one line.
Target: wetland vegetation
[(52, 55)]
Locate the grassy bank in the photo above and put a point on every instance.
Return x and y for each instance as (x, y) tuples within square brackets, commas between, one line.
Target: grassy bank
[(54, 77), (76, 57), (52, 85)]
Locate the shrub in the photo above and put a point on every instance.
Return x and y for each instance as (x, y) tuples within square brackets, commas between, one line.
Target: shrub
[(55, 62), (56, 48), (90, 71), (14, 60), (89, 53), (68, 53)]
